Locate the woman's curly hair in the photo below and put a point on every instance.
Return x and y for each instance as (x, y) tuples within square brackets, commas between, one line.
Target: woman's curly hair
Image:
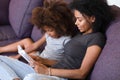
[(55, 14)]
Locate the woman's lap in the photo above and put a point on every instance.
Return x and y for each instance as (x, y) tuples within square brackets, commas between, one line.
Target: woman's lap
[(35, 76), (15, 66), (6, 73)]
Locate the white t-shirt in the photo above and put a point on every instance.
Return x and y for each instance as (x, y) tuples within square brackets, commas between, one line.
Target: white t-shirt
[(54, 47)]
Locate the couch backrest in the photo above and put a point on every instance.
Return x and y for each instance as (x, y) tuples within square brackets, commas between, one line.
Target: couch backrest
[(36, 34), (20, 14), (4, 5), (107, 66)]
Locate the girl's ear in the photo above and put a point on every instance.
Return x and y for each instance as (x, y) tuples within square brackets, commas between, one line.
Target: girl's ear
[(92, 18)]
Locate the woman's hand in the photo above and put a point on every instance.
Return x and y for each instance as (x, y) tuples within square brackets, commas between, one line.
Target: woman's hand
[(44, 61), (40, 68), (36, 59)]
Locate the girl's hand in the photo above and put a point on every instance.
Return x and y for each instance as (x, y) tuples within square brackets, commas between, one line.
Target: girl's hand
[(30, 48)]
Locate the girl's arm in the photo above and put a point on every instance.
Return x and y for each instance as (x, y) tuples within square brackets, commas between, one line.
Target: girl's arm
[(36, 45), (40, 42), (88, 62)]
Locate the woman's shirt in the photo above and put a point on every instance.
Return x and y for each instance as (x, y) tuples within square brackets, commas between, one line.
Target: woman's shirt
[(76, 48)]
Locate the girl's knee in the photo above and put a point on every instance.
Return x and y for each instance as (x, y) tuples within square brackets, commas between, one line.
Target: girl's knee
[(26, 42)]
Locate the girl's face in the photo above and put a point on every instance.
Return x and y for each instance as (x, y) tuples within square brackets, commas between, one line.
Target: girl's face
[(84, 23), (50, 31)]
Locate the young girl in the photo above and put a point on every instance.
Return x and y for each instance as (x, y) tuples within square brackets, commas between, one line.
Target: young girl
[(58, 26)]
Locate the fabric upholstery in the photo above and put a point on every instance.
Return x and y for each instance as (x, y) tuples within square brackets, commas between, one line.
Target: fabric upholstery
[(5, 42), (107, 66), (36, 34), (6, 33), (4, 5), (20, 14)]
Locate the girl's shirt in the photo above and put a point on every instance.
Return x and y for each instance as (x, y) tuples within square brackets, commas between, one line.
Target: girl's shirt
[(54, 48)]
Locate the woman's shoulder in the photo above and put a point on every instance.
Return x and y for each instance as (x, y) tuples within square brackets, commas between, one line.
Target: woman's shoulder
[(98, 39), (99, 35), (96, 34)]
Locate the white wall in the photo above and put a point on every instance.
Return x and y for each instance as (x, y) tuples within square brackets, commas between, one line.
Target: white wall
[(114, 2)]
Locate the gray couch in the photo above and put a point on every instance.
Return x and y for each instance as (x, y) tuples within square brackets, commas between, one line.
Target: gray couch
[(15, 25)]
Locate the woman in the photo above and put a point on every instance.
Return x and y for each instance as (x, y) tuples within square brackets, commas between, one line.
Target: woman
[(82, 51)]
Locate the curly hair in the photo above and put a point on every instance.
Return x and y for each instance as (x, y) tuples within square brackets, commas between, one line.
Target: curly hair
[(55, 14), (97, 8)]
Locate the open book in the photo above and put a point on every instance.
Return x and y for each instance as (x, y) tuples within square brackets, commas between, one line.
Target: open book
[(24, 54)]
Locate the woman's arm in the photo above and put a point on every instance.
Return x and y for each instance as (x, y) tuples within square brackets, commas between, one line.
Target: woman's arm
[(48, 62), (88, 62)]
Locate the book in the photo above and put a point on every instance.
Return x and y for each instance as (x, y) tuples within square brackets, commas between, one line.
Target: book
[(24, 54)]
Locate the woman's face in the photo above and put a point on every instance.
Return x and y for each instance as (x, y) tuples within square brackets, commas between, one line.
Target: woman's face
[(84, 23)]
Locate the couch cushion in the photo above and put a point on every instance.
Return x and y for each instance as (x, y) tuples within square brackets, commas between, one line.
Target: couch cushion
[(20, 14), (36, 34), (4, 4), (107, 66), (6, 33)]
